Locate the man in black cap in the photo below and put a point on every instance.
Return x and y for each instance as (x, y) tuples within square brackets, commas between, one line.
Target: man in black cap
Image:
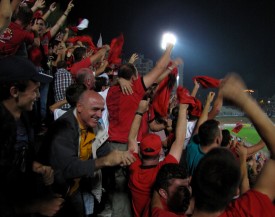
[(24, 181)]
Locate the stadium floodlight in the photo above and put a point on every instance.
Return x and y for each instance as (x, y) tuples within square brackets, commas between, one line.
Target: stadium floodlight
[(168, 38)]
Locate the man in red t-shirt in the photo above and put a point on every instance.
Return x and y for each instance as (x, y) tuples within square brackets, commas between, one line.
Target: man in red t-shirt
[(15, 34), (121, 110), (172, 192), (144, 170), (217, 176)]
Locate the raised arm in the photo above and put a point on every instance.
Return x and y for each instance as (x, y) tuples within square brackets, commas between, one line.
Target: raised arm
[(232, 89), (195, 89), (204, 114), (242, 152), (175, 63), (62, 19), (39, 4), (161, 65), (6, 10), (51, 9), (217, 105), (177, 146), (132, 138), (251, 150)]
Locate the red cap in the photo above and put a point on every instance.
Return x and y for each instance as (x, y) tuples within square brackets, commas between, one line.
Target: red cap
[(150, 145)]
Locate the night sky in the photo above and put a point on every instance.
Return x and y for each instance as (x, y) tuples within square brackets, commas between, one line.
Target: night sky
[(213, 37)]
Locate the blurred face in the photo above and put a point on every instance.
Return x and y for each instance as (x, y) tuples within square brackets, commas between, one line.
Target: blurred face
[(40, 26), (90, 108), (178, 195), (25, 100)]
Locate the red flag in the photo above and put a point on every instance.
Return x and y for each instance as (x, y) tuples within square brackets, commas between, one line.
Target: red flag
[(237, 127), (162, 96), (84, 39), (207, 82), (115, 50)]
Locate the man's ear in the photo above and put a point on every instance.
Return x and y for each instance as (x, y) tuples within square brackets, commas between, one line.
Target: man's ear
[(163, 193), (79, 107), (14, 92)]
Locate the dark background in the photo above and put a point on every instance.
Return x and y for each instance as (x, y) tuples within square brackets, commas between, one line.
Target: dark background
[(213, 37)]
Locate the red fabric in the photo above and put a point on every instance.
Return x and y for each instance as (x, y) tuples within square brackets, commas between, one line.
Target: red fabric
[(74, 29), (237, 127), (84, 39), (158, 212), (38, 14), (122, 110), (115, 50), (162, 96), (12, 38), (207, 82), (252, 204), (85, 63), (35, 53), (196, 109), (184, 96), (150, 141), (141, 182)]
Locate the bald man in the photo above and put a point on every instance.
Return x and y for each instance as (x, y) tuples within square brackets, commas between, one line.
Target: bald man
[(77, 152)]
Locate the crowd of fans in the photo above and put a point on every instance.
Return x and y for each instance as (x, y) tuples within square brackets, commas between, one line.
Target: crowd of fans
[(84, 135)]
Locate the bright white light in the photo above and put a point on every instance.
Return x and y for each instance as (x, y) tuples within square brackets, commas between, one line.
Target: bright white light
[(168, 38)]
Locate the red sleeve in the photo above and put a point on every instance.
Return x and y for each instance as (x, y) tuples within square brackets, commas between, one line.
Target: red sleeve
[(136, 164), (85, 63), (251, 203), (157, 212), (29, 37), (167, 160)]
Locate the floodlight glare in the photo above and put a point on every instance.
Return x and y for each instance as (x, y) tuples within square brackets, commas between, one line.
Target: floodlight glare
[(168, 38)]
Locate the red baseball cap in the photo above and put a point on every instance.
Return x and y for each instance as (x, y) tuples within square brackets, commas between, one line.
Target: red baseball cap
[(150, 145)]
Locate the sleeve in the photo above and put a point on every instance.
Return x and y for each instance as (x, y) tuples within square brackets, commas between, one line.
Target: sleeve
[(253, 204), (29, 37)]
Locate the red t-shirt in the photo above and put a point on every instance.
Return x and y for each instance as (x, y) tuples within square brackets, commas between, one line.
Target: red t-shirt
[(85, 63), (252, 204), (12, 38), (141, 182), (35, 53), (122, 110), (158, 212)]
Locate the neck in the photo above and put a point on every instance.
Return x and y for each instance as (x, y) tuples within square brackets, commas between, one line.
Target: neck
[(150, 162), (207, 148), (80, 121), (10, 105)]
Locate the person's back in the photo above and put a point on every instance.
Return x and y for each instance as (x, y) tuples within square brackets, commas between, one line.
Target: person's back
[(218, 175), (122, 109), (208, 137)]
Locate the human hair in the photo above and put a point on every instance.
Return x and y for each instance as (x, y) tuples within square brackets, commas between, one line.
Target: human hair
[(5, 88), (78, 53), (61, 64), (25, 15), (208, 131), (126, 71), (83, 74), (99, 83), (226, 138), (168, 172), (73, 93), (215, 180)]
